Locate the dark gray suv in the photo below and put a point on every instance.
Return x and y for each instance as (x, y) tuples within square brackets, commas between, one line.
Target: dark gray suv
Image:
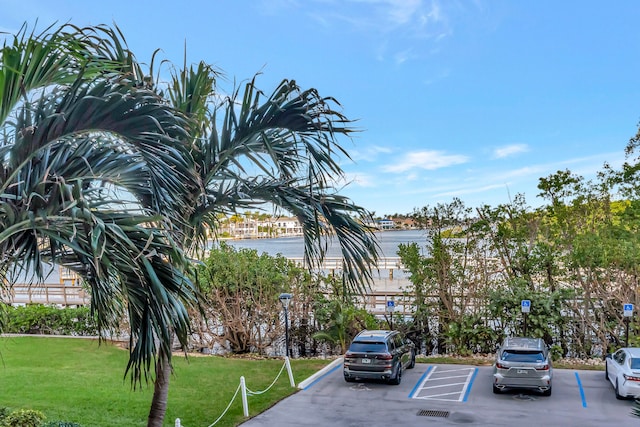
[(381, 355)]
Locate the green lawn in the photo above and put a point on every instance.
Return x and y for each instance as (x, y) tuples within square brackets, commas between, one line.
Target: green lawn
[(78, 380)]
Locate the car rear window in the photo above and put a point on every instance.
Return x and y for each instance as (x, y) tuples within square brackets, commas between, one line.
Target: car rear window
[(635, 363), (368, 347), (526, 356)]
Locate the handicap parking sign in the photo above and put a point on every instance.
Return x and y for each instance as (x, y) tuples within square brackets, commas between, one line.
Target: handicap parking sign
[(526, 305), (628, 310), (391, 305)]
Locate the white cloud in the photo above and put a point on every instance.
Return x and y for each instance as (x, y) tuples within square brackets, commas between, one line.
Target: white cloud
[(359, 179), (510, 150), (402, 57), (398, 29), (369, 153), (428, 160)]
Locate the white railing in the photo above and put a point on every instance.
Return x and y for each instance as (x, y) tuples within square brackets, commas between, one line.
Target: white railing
[(66, 291), (336, 263), (46, 293), (388, 284)]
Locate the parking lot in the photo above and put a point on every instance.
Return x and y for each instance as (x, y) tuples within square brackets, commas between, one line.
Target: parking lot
[(450, 395)]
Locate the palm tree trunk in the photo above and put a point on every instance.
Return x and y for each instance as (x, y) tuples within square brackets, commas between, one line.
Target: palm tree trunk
[(160, 391)]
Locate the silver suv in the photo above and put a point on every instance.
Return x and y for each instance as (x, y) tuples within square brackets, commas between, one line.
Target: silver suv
[(381, 355), (523, 363)]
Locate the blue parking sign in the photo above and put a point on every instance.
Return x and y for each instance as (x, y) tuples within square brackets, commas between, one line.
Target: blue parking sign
[(391, 305), (627, 310), (525, 305)]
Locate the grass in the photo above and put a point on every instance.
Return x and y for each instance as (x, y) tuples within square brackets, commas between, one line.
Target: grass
[(81, 381)]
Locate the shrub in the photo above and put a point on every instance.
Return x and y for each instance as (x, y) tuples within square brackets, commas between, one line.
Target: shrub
[(4, 411), (49, 320), (23, 418)]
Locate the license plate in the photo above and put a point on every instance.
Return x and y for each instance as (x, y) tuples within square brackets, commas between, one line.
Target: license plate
[(366, 360), (523, 371)]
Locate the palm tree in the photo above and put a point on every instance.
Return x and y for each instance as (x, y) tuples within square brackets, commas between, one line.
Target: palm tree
[(281, 150), (91, 161), (100, 174)]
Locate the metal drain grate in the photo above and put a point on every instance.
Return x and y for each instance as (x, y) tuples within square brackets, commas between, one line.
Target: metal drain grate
[(433, 413)]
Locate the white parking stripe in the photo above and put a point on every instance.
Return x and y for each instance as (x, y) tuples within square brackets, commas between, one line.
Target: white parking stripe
[(427, 387), (443, 385), (452, 370), (434, 396), (448, 378)]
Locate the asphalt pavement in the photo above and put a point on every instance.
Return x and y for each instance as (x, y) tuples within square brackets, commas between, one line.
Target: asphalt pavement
[(443, 395)]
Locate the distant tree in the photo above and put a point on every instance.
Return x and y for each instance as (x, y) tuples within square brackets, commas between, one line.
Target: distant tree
[(449, 280)]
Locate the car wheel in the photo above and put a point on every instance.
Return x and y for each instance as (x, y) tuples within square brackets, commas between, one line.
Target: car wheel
[(349, 379), (606, 371), (547, 392), (398, 378), (412, 364), (618, 395), (496, 390)]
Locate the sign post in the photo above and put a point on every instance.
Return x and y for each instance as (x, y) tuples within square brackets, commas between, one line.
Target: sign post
[(627, 311), (391, 305), (525, 306)]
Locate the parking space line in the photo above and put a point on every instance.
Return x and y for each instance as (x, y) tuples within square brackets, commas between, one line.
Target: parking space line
[(582, 396), (453, 376), (420, 382), (469, 385), (443, 385), (449, 370), (434, 396), (431, 376)]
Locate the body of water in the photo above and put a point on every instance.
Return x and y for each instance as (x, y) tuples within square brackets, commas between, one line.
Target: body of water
[(293, 247)]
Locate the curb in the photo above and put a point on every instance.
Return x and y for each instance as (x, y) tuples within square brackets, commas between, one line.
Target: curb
[(331, 366)]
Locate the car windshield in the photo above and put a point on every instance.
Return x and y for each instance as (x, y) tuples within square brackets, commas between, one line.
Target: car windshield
[(635, 363), (527, 356), (368, 347)]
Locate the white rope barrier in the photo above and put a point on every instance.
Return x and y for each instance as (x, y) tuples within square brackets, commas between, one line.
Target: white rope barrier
[(227, 408), (245, 391), (255, 393)]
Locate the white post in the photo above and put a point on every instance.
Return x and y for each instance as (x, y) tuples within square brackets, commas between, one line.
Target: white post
[(286, 362), (245, 406), (178, 423)]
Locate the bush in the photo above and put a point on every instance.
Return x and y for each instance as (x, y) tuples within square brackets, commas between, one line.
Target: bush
[(49, 320), (4, 411), (23, 418)]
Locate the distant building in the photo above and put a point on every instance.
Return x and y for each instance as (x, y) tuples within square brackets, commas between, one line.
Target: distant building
[(287, 226), (405, 223), (385, 224), (251, 228)]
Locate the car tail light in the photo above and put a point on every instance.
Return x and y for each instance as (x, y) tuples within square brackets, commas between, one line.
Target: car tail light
[(348, 355), (543, 368), (630, 377), (501, 366), (386, 356)]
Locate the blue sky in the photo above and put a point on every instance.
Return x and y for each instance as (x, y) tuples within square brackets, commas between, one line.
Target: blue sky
[(472, 99)]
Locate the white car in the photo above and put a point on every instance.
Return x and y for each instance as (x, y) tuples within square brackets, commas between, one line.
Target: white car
[(622, 369)]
